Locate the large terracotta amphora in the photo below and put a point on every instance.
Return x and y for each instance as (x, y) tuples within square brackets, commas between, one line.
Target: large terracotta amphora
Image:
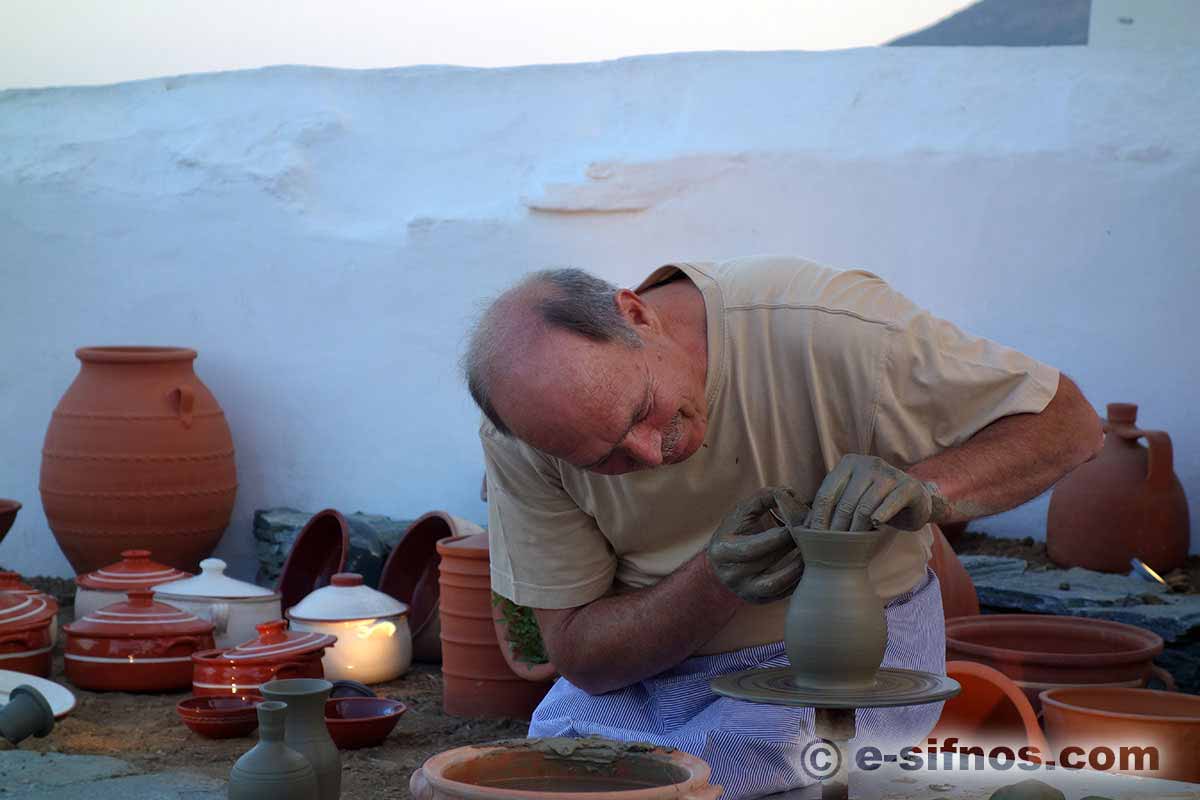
[(138, 455), (1124, 503)]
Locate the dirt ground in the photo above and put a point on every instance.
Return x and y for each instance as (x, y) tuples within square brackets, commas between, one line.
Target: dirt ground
[(144, 730)]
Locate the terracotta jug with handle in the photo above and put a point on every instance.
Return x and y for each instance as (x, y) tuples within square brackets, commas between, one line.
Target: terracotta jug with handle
[(1124, 503)]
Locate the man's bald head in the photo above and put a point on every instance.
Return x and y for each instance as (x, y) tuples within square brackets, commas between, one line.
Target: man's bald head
[(546, 317)]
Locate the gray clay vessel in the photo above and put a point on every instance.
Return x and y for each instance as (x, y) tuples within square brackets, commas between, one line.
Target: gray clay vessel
[(272, 770), (306, 732), (836, 632), (27, 714)]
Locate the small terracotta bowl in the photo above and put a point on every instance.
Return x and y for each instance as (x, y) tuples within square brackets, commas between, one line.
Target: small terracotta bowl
[(219, 716), (356, 722)]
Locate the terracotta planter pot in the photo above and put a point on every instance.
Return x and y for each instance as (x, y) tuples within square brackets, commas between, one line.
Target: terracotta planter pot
[(1040, 652), (1115, 718), (135, 646), (959, 598), (522, 770), (318, 553), (477, 680), (137, 455), (26, 643), (108, 585), (411, 576), (275, 655), (1125, 503), (990, 710)]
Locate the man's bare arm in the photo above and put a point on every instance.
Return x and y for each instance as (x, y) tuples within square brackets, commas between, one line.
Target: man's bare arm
[(1014, 459), (620, 639)]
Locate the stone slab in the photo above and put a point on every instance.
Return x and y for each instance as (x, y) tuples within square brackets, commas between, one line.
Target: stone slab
[(28, 768), (372, 537), (28, 775), (1008, 583)]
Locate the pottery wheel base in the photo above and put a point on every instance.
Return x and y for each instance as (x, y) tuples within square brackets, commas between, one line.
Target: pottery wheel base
[(893, 687)]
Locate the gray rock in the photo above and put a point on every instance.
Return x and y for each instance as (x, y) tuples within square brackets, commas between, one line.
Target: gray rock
[(1007, 584), (372, 537), (23, 768), (1030, 789)]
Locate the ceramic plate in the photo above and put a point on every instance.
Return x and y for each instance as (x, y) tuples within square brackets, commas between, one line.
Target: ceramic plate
[(60, 698)]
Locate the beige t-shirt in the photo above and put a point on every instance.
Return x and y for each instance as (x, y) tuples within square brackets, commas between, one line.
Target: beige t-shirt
[(805, 365)]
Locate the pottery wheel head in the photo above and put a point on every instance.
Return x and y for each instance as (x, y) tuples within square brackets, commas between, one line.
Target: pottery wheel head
[(893, 687)]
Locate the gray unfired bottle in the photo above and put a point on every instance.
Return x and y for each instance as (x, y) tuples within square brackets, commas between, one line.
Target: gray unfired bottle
[(305, 731), (272, 770)]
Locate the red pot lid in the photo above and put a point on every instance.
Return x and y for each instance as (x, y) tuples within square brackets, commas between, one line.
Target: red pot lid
[(275, 640), (139, 617), (135, 570), (13, 582), (20, 612)]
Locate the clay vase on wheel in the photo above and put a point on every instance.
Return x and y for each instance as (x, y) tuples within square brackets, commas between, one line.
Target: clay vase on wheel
[(1124, 503), (137, 456), (306, 732), (835, 631)]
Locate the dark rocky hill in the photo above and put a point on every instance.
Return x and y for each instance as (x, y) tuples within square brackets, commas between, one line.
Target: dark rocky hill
[(1008, 23)]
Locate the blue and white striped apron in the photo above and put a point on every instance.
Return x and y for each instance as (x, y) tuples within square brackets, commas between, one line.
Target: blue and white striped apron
[(753, 749)]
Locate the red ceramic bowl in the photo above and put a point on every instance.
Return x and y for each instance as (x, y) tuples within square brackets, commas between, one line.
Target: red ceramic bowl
[(225, 717), (356, 722)]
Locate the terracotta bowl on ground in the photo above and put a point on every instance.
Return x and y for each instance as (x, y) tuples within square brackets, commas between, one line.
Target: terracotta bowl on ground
[(356, 722), (8, 514), (219, 717)]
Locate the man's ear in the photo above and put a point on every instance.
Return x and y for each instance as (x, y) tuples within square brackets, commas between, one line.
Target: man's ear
[(636, 311)]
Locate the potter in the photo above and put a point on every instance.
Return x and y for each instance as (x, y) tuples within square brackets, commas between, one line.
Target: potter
[(629, 435)]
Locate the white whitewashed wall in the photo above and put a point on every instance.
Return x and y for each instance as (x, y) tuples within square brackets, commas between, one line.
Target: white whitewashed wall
[(322, 237)]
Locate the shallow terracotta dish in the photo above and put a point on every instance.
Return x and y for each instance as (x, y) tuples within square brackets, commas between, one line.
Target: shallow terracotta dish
[(356, 722), (276, 654), (8, 514), (220, 717), (318, 553), (136, 646), (61, 699)]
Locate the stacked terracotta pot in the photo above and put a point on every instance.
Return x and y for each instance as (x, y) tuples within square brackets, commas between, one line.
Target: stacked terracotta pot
[(476, 678)]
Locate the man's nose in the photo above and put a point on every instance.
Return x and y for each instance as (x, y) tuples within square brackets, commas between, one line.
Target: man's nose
[(644, 444)]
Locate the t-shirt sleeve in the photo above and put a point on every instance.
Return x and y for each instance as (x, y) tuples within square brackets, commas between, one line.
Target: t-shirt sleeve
[(938, 386), (546, 552)]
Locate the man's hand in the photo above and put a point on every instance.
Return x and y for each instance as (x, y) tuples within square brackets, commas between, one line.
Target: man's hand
[(758, 565), (864, 492)]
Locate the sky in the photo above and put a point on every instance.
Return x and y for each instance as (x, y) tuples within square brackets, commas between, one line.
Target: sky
[(65, 42)]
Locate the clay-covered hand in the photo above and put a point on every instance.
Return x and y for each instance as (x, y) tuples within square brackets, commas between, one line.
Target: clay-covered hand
[(752, 554), (864, 492)]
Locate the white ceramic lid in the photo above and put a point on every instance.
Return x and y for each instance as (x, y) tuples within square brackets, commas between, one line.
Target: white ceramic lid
[(212, 582), (346, 598)]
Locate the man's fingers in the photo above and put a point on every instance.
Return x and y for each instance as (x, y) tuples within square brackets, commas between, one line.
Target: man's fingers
[(843, 513), (792, 510), (906, 495), (778, 581), (867, 505), (752, 546), (827, 496)]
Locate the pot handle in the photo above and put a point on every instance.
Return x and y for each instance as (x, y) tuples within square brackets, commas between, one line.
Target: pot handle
[(191, 643), (218, 615), (23, 638), (292, 669), (1168, 680), (185, 398), (1161, 455)]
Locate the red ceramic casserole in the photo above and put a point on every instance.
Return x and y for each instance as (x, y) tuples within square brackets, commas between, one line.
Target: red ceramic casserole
[(277, 653), (108, 585), (138, 645), (25, 635), (13, 582)]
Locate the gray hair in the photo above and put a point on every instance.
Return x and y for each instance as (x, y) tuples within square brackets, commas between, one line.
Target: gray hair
[(562, 299)]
